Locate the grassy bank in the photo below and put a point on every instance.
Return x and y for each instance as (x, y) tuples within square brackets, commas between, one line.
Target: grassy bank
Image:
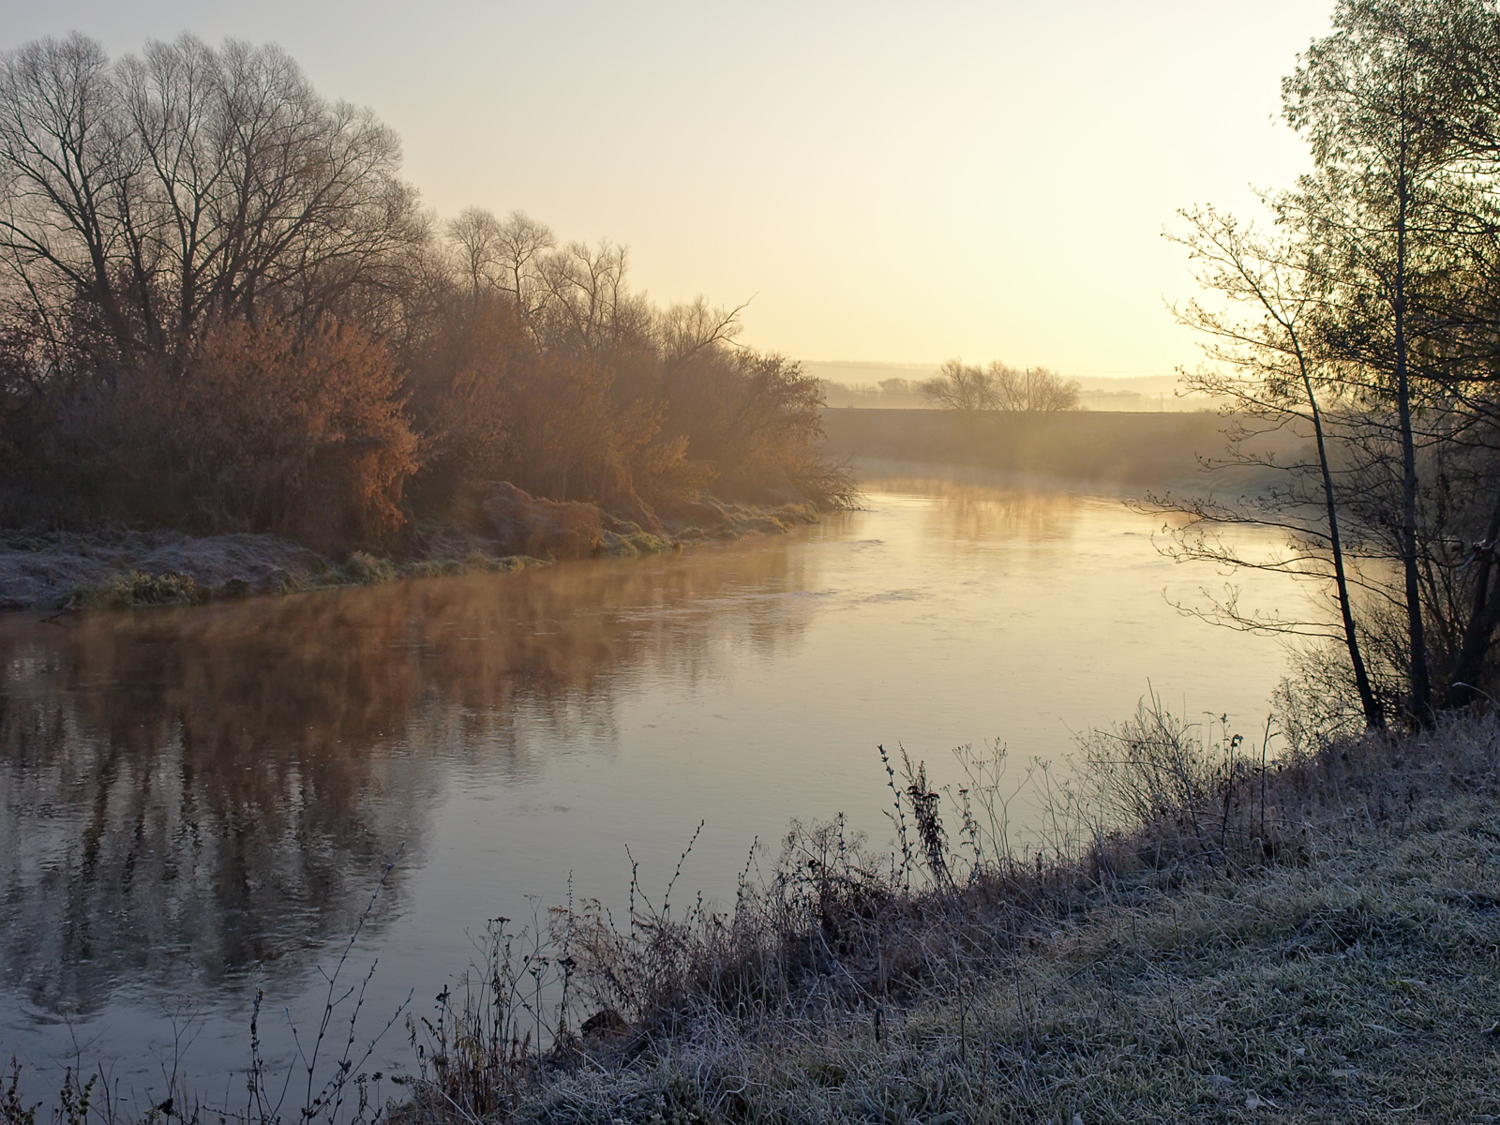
[(1142, 450), (1196, 935), (1193, 932)]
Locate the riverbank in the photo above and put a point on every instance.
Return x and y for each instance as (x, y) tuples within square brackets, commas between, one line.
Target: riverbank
[(507, 530), (1138, 451), (1312, 941)]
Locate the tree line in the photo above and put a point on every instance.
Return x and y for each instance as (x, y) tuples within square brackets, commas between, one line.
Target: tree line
[(1366, 315), (222, 308)]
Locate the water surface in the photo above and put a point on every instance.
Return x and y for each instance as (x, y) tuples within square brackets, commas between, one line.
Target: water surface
[(197, 802)]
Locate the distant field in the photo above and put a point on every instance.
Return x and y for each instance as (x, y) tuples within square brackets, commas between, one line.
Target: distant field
[(1140, 450)]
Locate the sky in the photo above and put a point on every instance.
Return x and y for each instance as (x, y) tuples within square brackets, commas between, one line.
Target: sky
[(883, 182)]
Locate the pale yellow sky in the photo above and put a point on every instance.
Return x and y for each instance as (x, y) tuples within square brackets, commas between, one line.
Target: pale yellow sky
[(887, 182)]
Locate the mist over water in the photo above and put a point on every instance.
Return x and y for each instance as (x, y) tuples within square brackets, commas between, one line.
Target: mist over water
[(195, 803)]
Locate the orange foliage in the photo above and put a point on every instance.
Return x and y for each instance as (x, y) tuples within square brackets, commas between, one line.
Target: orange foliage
[(269, 431), (458, 383), (493, 406)]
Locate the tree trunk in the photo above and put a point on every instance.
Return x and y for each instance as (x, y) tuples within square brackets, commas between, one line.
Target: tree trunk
[(1374, 713), (1421, 685)]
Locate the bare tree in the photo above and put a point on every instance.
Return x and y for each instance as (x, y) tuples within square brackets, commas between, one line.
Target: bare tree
[(961, 386), (585, 306), (66, 167), (1033, 390), (475, 237), (1267, 370), (686, 330), (521, 244), (190, 182)]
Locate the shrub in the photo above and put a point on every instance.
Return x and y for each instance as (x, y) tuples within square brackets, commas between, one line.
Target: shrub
[(757, 420), (262, 428), (128, 591), (268, 431), (367, 570)]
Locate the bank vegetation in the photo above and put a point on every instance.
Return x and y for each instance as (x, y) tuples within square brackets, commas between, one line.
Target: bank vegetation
[(222, 310)]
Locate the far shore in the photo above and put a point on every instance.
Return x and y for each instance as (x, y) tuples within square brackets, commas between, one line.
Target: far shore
[(1106, 452), (1113, 450), (116, 567)]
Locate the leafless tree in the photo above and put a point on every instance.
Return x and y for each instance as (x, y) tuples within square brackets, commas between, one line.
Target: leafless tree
[(522, 243), (475, 238), (959, 386), (1035, 389), (1268, 368), (187, 183), (585, 305)]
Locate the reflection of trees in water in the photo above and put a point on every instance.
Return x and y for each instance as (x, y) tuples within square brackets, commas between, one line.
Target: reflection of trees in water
[(187, 793), (967, 514)]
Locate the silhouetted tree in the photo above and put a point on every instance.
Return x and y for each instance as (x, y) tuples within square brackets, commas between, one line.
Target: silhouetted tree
[(1269, 372), (145, 197), (1388, 254), (961, 386)]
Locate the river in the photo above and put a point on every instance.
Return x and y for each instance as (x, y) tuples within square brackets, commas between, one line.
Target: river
[(195, 803)]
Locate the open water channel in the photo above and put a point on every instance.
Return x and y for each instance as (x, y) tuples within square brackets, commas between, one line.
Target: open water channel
[(196, 803)]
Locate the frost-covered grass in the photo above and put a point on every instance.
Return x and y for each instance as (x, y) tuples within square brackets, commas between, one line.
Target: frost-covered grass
[(117, 568), (1197, 933)]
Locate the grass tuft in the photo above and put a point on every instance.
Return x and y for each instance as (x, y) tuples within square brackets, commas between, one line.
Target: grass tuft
[(630, 543), (368, 570), (138, 588)]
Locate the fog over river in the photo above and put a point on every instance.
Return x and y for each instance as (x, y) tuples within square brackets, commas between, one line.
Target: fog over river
[(197, 802)]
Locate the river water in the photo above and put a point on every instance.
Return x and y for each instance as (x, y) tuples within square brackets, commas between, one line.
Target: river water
[(196, 803)]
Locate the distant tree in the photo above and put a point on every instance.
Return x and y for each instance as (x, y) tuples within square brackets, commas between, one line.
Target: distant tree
[(1033, 390), (959, 386)]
